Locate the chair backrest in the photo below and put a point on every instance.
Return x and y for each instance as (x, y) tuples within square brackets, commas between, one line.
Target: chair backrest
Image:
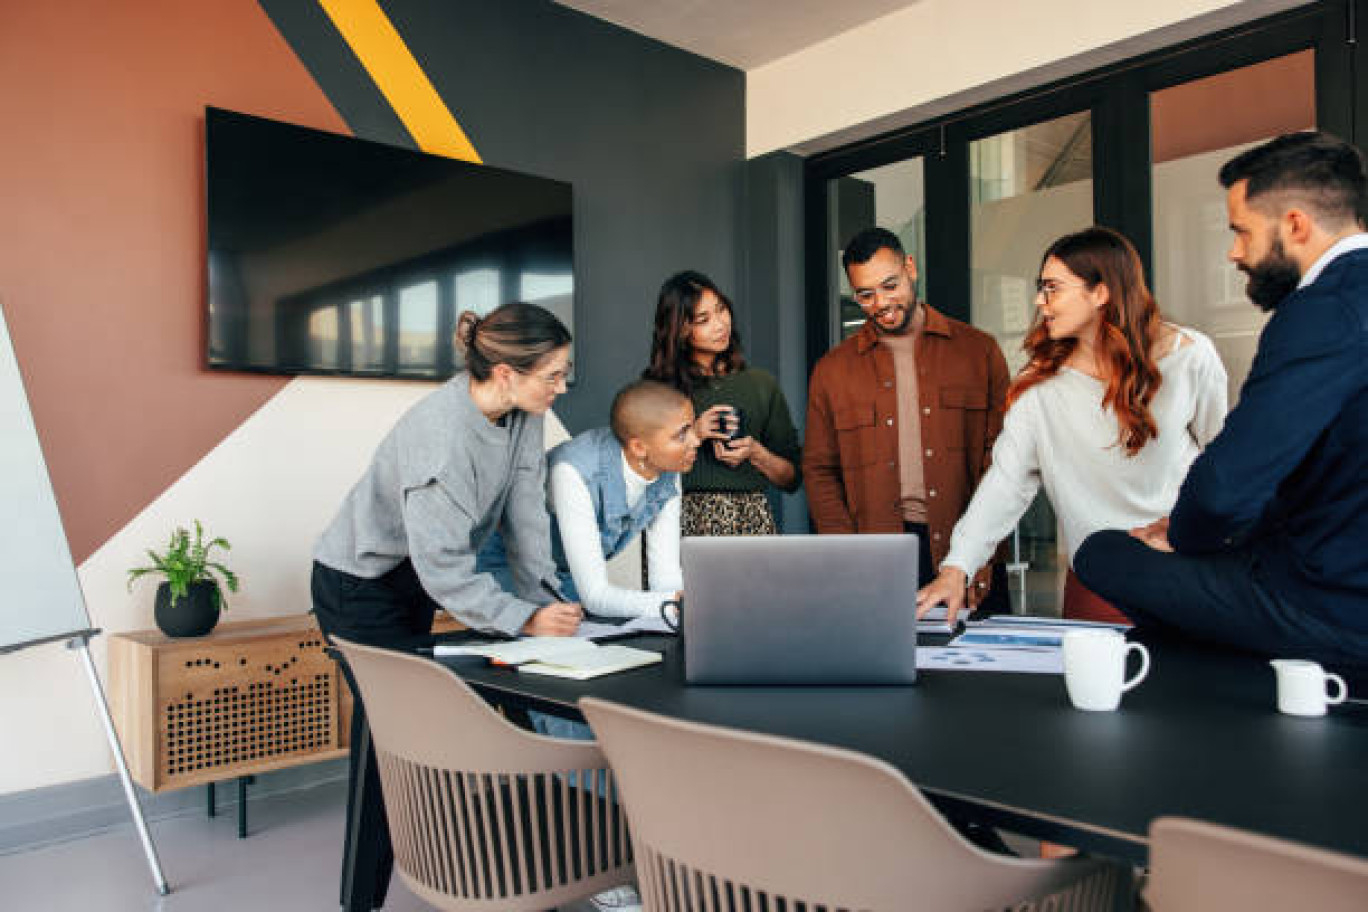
[(484, 815), (734, 815), (1202, 866)]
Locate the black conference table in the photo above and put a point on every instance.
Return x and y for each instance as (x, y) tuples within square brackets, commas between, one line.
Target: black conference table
[(1200, 737)]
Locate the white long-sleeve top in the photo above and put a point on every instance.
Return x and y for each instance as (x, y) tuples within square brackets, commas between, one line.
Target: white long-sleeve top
[(1057, 434), (584, 549)]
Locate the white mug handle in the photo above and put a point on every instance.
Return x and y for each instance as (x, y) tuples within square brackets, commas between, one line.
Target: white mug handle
[(1144, 665), (1339, 684)]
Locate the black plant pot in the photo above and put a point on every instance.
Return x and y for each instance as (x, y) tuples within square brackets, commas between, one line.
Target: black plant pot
[(193, 614)]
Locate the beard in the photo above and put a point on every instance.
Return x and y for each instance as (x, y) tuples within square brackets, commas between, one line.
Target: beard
[(903, 326), (1272, 279)]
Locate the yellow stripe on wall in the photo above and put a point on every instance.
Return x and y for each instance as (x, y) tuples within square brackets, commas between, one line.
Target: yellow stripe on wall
[(401, 80)]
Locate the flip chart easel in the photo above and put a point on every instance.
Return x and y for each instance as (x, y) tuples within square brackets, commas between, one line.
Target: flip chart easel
[(42, 602)]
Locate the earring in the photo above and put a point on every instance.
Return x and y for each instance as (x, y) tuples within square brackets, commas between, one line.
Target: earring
[(642, 464)]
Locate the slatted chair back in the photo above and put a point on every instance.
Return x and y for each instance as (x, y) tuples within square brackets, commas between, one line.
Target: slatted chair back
[(484, 815), (728, 820)]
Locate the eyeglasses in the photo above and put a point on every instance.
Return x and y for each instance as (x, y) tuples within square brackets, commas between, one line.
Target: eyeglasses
[(868, 298), (551, 380), (1050, 288)]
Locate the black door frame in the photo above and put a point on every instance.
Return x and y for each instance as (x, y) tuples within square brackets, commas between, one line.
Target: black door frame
[(1118, 97)]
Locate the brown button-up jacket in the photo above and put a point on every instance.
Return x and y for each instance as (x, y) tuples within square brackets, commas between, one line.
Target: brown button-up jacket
[(850, 453)]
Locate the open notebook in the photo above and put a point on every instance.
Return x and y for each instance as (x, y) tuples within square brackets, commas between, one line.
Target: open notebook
[(559, 657)]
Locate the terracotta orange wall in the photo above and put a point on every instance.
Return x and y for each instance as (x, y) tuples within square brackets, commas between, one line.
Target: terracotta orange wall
[(1244, 105), (102, 233)]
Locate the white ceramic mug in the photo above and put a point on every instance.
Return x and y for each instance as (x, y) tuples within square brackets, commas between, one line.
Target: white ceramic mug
[(1303, 687), (1095, 668)]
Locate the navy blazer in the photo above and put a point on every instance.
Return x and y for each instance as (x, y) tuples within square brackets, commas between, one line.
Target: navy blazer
[(1287, 477)]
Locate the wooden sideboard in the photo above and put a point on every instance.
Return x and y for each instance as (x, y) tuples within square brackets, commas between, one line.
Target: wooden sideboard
[(250, 697)]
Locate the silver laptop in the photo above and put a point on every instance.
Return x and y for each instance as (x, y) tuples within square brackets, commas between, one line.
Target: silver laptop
[(800, 609)]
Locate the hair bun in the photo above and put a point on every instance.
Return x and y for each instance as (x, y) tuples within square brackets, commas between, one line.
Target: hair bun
[(467, 325)]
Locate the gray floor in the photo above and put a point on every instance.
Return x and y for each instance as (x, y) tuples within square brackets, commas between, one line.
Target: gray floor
[(289, 862)]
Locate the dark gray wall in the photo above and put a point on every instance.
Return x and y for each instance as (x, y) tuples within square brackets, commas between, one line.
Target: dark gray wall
[(651, 137), (773, 289)]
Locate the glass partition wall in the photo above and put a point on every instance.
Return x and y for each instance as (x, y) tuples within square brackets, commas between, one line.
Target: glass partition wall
[(978, 196), (1195, 128), (1026, 187)]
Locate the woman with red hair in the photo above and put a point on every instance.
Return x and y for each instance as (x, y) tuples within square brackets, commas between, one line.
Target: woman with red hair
[(1108, 414)]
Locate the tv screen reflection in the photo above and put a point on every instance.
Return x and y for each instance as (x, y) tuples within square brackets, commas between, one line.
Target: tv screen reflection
[(334, 255)]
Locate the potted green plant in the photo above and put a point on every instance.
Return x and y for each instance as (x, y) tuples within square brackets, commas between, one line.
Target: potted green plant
[(189, 600)]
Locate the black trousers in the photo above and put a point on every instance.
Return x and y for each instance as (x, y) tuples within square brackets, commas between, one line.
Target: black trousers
[(1218, 598), (391, 610), (998, 600)]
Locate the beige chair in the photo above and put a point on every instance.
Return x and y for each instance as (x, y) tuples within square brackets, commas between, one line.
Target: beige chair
[(729, 820), (1201, 866), (484, 815)]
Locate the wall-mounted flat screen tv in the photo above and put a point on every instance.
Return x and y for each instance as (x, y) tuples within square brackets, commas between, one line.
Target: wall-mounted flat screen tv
[(334, 255)]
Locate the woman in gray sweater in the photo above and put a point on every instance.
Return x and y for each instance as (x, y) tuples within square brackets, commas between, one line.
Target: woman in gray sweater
[(464, 461)]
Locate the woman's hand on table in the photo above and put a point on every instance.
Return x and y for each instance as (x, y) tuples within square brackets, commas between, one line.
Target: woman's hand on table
[(556, 619), (947, 587)]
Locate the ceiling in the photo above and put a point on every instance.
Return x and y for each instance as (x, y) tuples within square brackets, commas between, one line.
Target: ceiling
[(742, 33)]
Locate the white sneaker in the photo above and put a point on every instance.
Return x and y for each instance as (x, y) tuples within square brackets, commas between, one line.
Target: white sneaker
[(618, 899)]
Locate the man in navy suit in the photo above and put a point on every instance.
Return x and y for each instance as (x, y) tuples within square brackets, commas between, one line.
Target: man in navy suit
[(1267, 546)]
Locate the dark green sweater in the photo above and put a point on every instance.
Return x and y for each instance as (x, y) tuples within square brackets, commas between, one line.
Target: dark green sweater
[(766, 418)]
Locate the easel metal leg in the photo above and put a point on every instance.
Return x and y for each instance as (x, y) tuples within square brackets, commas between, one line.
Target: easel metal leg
[(82, 645)]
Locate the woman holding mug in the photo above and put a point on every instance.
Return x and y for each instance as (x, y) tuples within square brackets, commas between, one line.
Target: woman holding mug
[(750, 444)]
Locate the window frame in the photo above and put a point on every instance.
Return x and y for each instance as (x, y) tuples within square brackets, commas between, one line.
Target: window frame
[(1118, 97)]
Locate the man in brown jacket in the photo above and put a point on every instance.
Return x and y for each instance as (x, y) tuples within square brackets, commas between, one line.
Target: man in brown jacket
[(902, 416)]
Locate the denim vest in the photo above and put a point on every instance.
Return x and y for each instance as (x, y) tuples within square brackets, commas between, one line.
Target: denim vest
[(597, 456)]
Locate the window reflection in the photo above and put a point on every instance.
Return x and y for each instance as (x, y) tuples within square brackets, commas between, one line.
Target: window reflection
[(1027, 187), (323, 345), (477, 290), (418, 327), (1196, 128), (400, 318), (366, 320)]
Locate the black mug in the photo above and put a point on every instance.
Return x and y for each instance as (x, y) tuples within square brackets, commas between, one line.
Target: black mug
[(734, 426), (674, 623)]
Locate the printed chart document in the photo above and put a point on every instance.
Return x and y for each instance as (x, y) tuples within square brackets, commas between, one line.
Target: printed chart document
[(1014, 659), (1027, 620), (1008, 642), (1011, 635), (595, 629), (934, 621)]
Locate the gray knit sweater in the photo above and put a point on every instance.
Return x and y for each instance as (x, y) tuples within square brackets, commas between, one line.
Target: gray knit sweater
[(440, 483)]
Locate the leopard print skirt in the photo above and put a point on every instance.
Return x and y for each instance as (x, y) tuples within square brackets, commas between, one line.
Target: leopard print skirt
[(727, 513)]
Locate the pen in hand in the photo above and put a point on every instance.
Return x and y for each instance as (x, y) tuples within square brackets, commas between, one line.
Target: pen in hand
[(559, 618)]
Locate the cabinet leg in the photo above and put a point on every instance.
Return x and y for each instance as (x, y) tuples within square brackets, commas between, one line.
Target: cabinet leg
[(242, 805)]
